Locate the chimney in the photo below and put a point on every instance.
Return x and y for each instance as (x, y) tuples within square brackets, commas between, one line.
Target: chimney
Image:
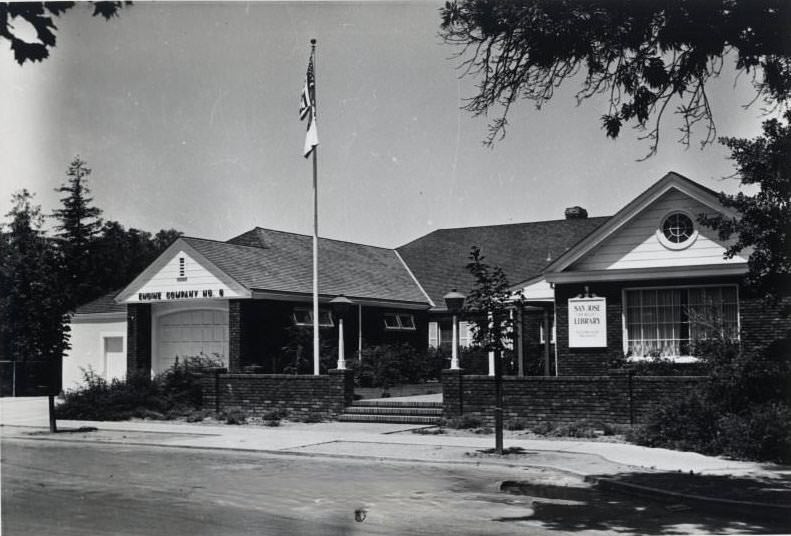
[(576, 213)]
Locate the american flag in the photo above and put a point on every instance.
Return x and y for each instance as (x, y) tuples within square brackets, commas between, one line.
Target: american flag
[(307, 108)]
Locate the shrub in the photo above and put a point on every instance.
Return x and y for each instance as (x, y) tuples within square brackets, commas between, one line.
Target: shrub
[(742, 411), (387, 365), (464, 422), (515, 424), (583, 428), (172, 394), (543, 428), (234, 416), (762, 432), (313, 417)]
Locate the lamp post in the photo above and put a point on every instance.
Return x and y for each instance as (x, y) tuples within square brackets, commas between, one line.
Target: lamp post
[(340, 305), (454, 301)]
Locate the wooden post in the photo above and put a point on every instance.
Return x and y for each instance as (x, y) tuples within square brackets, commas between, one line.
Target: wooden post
[(53, 427)]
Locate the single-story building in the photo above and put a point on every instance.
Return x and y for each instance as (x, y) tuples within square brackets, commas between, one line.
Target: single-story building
[(649, 281)]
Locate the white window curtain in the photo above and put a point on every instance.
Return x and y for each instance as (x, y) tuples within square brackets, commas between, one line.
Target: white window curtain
[(667, 322)]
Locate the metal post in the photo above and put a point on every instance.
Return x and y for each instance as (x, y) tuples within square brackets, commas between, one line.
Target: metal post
[(498, 402)]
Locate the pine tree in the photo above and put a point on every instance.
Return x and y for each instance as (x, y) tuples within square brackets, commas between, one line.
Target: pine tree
[(78, 225), (32, 321)]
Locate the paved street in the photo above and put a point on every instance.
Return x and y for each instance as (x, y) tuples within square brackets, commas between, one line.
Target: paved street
[(87, 489)]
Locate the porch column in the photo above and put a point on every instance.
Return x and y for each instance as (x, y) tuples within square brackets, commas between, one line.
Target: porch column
[(138, 339), (520, 349), (491, 354), (547, 341)]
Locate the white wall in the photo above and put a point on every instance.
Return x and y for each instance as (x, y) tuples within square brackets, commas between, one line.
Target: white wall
[(87, 347)]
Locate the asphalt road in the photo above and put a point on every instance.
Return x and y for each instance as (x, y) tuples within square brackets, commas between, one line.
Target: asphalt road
[(53, 487)]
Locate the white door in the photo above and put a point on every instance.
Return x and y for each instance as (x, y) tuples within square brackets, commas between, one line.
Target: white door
[(193, 333), (114, 358)]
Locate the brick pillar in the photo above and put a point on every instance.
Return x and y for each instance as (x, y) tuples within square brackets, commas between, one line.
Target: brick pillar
[(234, 336), (342, 388), (452, 395), (138, 339)]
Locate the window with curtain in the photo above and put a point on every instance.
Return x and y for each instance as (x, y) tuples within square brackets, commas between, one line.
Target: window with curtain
[(441, 334), (667, 322)]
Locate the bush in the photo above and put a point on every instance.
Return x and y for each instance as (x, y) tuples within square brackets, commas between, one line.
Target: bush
[(233, 416), (172, 394), (583, 428), (464, 422), (742, 411), (763, 432), (515, 424), (387, 365)]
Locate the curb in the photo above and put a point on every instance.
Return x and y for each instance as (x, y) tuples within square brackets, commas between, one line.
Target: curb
[(298, 454), (761, 510)]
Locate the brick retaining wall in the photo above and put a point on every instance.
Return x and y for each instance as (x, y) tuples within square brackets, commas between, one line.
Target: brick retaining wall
[(300, 395), (616, 399)]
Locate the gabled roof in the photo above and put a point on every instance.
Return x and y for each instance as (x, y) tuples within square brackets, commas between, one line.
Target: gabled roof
[(102, 305), (277, 261), (522, 250), (671, 180)]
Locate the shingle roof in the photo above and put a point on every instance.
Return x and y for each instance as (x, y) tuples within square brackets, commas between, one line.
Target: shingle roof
[(276, 261), (103, 304), (522, 250)]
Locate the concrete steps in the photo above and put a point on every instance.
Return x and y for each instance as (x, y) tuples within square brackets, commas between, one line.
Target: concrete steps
[(393, 411)]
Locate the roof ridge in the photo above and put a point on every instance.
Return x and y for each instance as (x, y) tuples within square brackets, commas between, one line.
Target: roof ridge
[(494, 225), (320, 238)]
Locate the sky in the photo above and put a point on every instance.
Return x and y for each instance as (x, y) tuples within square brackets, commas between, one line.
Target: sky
[(187, 114)]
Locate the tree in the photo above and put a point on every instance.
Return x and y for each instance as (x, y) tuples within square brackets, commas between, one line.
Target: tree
[(764, 221), (32, 314), (78, 225), (643, 56), (119, 255), (489, 305), (38, 16)]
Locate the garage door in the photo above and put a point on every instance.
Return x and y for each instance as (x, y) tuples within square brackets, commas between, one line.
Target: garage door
[(200, 332)]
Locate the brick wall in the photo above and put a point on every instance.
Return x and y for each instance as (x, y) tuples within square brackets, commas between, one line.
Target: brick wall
[(300, 396), (138, 338), (760, 322), (562, 399)]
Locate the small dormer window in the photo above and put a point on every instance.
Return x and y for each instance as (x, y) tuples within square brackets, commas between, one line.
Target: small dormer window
[(677, 231)]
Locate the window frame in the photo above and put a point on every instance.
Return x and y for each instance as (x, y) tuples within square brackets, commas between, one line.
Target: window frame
[(308, 311), (679, 358), (397, 324), (669, 244)]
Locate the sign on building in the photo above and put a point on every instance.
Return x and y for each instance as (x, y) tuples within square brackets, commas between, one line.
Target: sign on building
[(587, 322)]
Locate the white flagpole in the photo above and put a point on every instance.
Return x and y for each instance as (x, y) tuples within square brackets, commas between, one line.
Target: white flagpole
[(315, 228)]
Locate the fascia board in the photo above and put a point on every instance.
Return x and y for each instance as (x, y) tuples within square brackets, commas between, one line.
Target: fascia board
[(706, 270)]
